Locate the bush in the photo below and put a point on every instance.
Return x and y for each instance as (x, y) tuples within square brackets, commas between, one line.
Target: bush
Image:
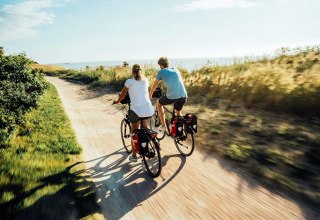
[(20, 88)]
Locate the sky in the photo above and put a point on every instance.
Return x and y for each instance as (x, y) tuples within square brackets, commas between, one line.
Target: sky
[(58, 31)]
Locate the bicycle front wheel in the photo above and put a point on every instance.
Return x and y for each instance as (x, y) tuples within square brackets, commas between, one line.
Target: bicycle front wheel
[(155, 125), (185, 143), (125, 129), (152, 159)]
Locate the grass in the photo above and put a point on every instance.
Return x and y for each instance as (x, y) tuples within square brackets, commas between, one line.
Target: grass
[(273, 84), (47, 68), (288, 82), (261, 112), (238, 152), (279, 149), (39, 170)]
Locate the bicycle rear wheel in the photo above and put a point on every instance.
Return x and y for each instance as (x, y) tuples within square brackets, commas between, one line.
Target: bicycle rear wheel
[(125, 129), (155, 125), (185, 143), (152, 159)]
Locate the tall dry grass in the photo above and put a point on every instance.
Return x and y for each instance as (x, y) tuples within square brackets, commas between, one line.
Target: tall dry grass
[(287, 81)]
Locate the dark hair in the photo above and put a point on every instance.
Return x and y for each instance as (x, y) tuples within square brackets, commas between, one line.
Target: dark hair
[(137, 71), (163, 61)]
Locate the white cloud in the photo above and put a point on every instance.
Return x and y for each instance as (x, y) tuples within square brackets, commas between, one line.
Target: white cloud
[(216, 4), (21, 20)]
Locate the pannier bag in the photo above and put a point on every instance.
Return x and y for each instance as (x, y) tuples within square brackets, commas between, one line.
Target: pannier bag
[(126, 99), (157, 93), (140, 140), (176, 127), (191, 121)]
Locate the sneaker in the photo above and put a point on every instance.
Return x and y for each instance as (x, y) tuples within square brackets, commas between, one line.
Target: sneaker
[(133, 158)]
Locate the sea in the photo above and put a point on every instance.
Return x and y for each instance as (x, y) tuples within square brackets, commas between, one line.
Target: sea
[(189, 64)]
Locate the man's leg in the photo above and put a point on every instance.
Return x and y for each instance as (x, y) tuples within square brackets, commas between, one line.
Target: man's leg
[(178, 113), (178, 105), (161, 114)]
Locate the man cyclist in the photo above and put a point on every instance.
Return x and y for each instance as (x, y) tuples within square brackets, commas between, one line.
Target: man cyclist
[(176, 92)]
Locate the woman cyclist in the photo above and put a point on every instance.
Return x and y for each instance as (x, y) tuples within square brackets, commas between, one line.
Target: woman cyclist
[(141, 107)]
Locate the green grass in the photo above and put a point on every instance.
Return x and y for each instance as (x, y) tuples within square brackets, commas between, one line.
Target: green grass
[(238, 152), (38, 170)]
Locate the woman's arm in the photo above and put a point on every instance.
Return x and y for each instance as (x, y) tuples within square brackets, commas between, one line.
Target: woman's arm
[(154, 86), (122, 95)]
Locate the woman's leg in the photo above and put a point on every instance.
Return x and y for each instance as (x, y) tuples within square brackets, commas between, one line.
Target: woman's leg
[(134, 126), (145, 123)]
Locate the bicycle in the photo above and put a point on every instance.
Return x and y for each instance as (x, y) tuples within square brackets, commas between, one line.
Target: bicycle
[(185, 143), (151, 151)]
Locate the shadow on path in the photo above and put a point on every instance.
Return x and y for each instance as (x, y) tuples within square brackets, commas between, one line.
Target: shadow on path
[(124, 186)]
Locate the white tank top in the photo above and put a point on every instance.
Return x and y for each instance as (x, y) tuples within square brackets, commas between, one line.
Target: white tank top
[(139, 96)]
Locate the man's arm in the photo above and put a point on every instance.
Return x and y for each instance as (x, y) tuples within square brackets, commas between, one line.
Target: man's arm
[(154, 86), (122, 95)]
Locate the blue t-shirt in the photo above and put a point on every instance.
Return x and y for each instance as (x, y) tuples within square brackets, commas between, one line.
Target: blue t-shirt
[(173, 81)]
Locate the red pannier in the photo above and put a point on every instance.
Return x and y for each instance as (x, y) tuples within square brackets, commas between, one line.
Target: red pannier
[(140, 140), (191, 123), (176, 129)]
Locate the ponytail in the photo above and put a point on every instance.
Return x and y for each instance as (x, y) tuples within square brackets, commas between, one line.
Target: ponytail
[(137, 72)]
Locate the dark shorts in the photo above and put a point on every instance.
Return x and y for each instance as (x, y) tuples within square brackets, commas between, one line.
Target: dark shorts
[(133, 117), (178, 103)]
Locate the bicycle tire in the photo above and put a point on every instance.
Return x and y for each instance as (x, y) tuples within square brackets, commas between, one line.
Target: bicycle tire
[(155, 125), (152, 159), (183, 146), (125, 129)]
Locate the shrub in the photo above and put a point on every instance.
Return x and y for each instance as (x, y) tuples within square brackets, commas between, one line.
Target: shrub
[(20, 88)]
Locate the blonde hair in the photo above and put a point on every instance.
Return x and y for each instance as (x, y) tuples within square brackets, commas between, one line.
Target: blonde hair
[(137, 71)]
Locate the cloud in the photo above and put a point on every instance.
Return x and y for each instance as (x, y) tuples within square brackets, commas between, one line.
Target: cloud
[(23, 19), (216, 4)]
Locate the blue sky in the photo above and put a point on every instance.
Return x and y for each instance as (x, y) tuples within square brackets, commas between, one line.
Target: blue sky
[(54, 31)]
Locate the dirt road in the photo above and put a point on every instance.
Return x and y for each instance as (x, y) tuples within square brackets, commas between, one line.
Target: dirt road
[(198, 187)]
